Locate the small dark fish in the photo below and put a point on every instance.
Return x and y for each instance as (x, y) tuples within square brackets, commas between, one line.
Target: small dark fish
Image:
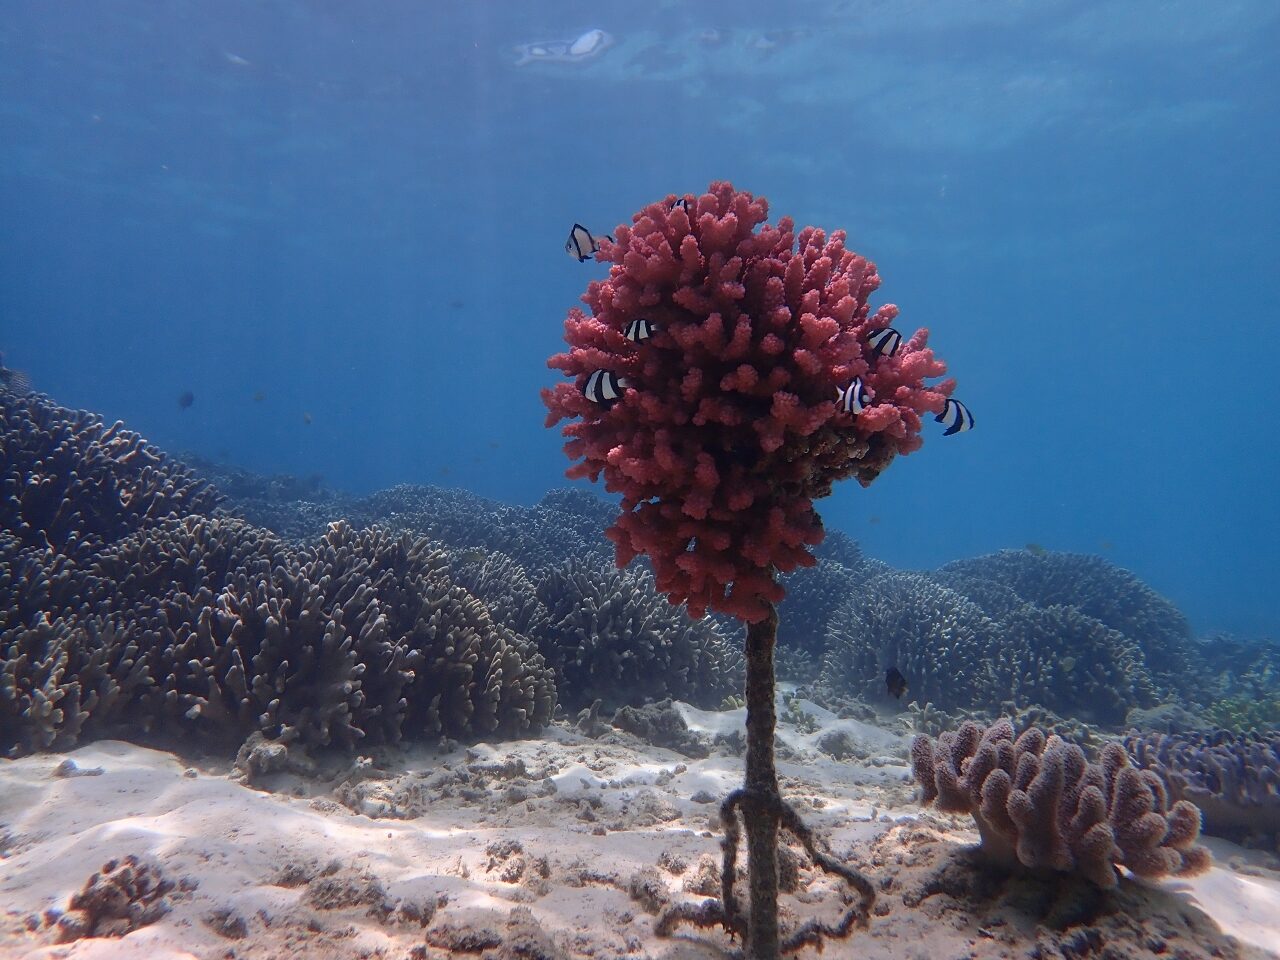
[(956, 416), (186, 399), (581, 245), (604, 386), (306, 418), (895, 683), (259, 397), (639, 329), (853, 398), (884, 342), (1036, 550)]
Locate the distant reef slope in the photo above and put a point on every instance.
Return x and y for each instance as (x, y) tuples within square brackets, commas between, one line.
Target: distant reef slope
[(133, 603), (141, 594)]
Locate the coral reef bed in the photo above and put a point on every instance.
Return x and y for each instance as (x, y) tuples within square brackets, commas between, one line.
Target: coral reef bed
[(1098, 589), (848, 618), (218, 627), (70, 483), (966, 640), (1234, 778), (131, 604), (562, 847), (1076, 635)]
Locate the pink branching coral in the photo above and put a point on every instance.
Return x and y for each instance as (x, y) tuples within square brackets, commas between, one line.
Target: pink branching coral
[(1040, 803), (728, 426)]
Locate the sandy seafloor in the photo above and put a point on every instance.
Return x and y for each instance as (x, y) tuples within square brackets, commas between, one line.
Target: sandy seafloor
[(563, 846)]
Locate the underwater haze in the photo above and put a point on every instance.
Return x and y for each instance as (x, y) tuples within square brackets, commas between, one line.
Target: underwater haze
[(328, 238)]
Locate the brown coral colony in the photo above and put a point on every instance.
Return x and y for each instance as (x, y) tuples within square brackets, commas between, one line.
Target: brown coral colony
[(1039, 803)]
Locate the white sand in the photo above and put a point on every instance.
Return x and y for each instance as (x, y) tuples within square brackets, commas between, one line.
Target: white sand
[(588, 814)]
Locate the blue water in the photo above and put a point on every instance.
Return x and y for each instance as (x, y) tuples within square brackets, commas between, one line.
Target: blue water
[(358, 211)]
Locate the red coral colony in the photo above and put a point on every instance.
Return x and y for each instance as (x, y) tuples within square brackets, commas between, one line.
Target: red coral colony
[(729, 427), (730, 371)]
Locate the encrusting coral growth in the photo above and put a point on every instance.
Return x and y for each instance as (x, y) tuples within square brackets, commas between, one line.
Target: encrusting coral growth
[(729, 341), (1039, 803)]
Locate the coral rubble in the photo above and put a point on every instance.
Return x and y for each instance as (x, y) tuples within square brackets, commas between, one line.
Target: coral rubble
[(123, 896)]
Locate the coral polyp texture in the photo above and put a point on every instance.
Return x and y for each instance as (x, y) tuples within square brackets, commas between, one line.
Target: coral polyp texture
[(1040, 803), (728, 426)]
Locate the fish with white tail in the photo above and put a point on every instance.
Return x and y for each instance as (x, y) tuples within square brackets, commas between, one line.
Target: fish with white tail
[(853, 398), (956, 416), (582, 245), (604, 387)]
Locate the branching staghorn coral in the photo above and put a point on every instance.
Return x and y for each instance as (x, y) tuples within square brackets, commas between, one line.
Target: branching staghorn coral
[(74, 484), (1099, 589), (612, 637), (211, 624), (1040, 804), (940, 641)]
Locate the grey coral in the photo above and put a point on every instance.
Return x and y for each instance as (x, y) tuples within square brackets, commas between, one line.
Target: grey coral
[(612, 637), (944, 644), (1099, 589), (211, 624), (957, 653), (73, 484), (1039, 803), (1234, 778)]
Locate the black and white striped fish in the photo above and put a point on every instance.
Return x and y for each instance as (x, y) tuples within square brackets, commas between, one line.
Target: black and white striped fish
[(604, 386), (639, 329), (581, 245), (884, 342), (682, 202), (956, 416), (853, 398)]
